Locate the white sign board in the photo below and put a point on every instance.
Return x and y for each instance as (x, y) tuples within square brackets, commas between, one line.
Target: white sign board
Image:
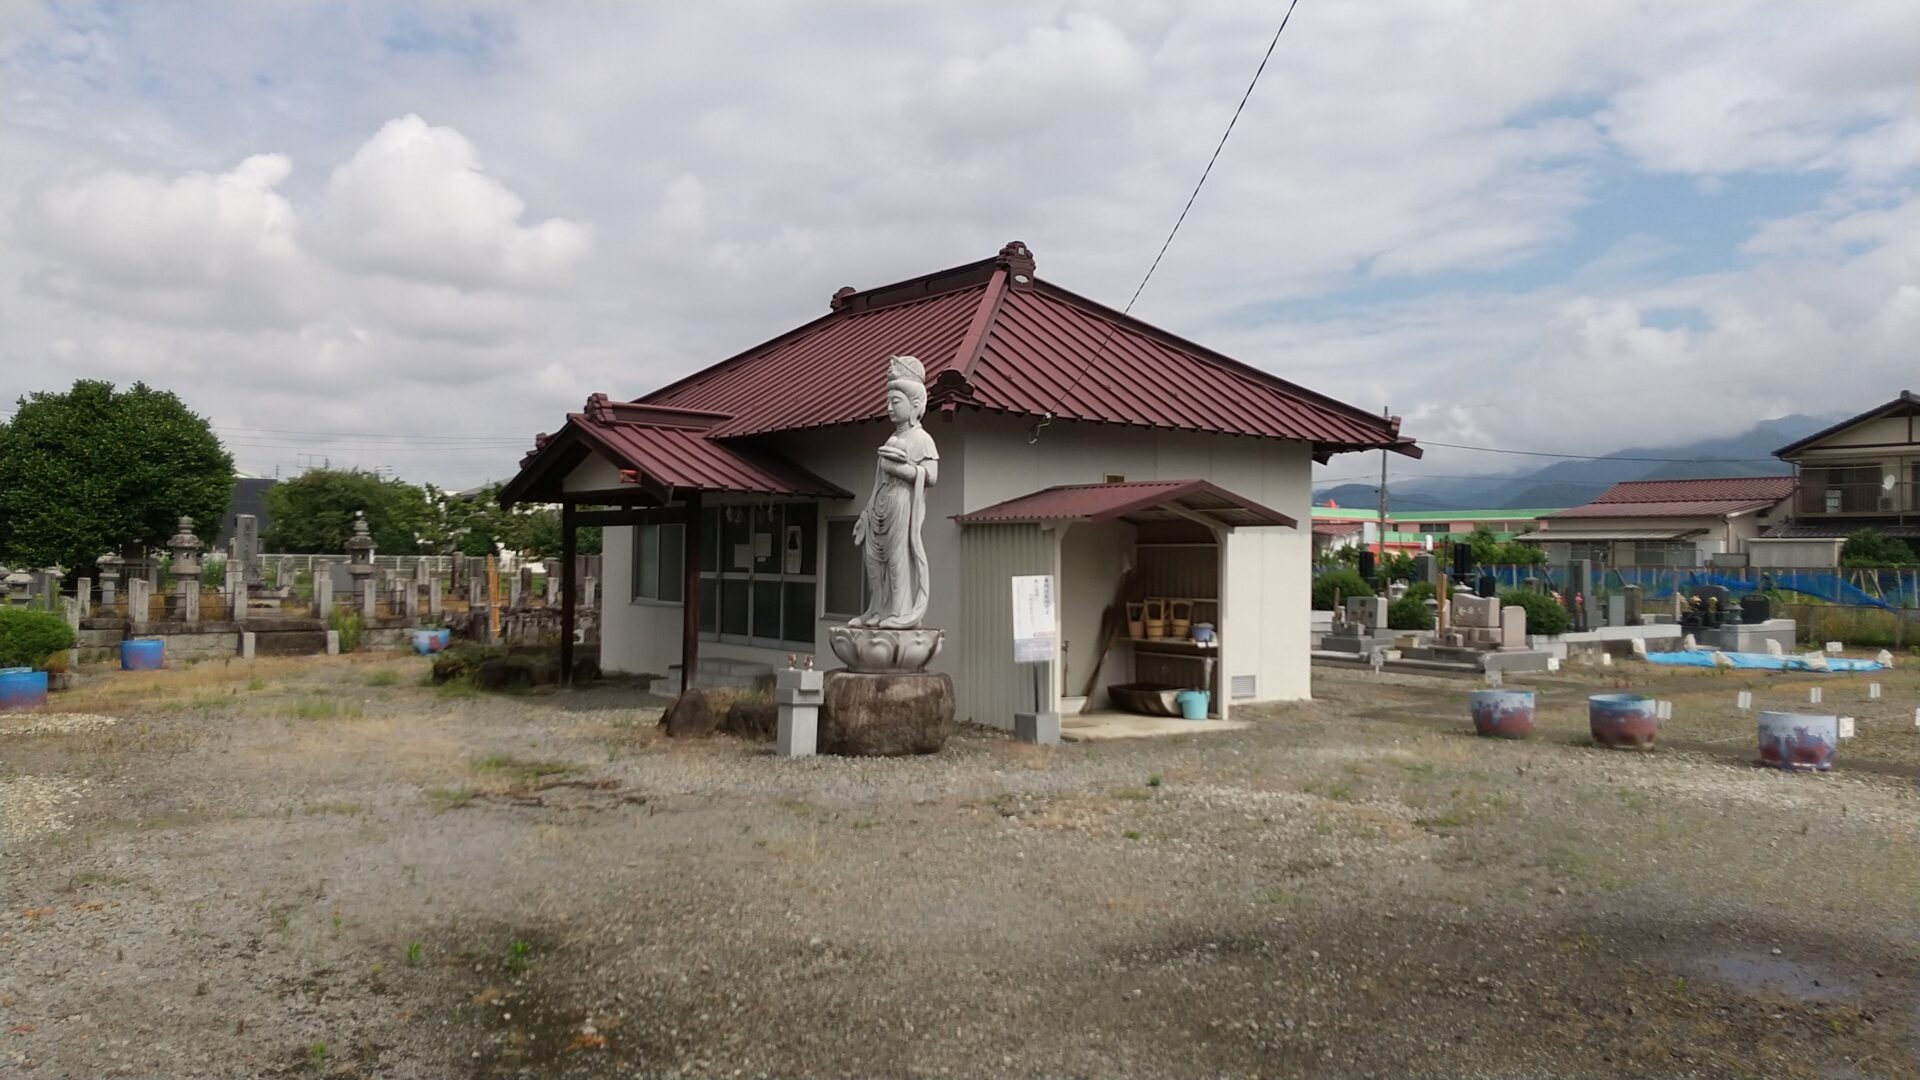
[(1036, 633)]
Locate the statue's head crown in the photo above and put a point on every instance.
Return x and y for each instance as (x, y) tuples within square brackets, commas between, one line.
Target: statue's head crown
[(907, 368)]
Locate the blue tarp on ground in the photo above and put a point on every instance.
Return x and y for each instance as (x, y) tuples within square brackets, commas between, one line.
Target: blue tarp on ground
[(1747, 661)]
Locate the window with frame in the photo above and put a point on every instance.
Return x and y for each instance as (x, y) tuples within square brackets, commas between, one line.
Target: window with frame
[(659, 563), (1665, 553), (758, 574)]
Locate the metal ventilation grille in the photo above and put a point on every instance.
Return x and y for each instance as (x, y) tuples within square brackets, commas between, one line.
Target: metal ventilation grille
[(1243, 686)]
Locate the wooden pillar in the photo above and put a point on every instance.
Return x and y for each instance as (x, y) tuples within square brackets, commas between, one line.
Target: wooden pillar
[(690, 594), (569, 590)]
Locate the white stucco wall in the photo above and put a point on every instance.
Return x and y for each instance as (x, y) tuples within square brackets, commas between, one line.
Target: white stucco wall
[(1264, 631), (985, 459)]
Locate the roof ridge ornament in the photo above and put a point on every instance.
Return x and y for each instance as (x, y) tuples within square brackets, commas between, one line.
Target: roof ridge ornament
[(1016, 258), (841, 298)]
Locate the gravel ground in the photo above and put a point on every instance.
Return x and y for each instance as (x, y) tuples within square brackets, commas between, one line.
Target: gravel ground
[(324, 868)]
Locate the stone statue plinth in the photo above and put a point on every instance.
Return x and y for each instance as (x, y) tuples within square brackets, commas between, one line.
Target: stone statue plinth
[(887, 715), (873, 651)]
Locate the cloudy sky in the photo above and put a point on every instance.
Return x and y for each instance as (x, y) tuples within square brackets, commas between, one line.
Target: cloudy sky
[(411, 235)]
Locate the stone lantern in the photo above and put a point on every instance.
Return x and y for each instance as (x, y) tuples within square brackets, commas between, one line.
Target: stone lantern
[(110, 566), (19, 587), (186, 569), (360, 563)]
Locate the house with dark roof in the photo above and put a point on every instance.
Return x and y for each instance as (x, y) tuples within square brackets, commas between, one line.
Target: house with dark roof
[(1126, 461), (1666, 522), (1863, 472)]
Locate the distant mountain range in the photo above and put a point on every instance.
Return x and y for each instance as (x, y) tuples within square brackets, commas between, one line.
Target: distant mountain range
[(1572, 483)]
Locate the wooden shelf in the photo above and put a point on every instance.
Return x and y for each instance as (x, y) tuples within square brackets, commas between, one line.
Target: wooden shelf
[(1180, 645)]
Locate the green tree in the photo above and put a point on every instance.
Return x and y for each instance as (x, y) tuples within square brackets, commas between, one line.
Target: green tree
[(1871, 547), (313, 513), (95, 469)]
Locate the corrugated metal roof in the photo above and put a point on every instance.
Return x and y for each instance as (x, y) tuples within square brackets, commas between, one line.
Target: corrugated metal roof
[(1698, 508), (1840, 530), (665, 452), (994, 337), (829, 371), (1561, 536), (1707, 489), (1132, 500)]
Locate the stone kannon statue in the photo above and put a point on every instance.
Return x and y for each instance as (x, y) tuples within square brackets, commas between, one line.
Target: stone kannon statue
[(889, 528)]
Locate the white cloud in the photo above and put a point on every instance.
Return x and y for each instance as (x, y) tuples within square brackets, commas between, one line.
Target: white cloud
[(607, 197), (415, 202)]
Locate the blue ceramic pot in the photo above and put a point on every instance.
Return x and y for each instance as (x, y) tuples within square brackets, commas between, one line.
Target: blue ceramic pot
[(142, 654), (1624, 720), (1503, 714), (1798, 740)]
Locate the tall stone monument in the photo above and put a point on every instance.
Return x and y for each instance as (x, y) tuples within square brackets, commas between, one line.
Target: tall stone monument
[(885, 702)]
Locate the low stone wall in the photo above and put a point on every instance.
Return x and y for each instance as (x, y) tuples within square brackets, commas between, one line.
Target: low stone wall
[(185, 648)]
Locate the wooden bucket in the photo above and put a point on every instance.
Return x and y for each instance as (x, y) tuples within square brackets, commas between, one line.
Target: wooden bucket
[(1155, 618), (1136, 619), (1180, 616)]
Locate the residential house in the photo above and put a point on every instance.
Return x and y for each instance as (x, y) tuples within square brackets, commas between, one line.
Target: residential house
[(1335, 527), (1073, 440), (1863, 472), (1666, 522)]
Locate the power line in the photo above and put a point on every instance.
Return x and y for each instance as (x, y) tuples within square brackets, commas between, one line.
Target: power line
[(1047, 417)]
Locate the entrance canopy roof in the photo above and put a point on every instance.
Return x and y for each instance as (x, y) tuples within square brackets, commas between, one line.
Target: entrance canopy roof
[(665, 453), (1145, 500)]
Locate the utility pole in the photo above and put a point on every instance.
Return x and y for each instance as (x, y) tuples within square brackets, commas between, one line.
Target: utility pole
[(1380, 546)]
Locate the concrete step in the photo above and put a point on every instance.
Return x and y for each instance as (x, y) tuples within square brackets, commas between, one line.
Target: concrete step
[(290, 643)]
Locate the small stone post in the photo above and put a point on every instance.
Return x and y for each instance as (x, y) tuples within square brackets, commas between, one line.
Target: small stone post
[(553, 587), (50, 583), (236, 592), (798, 692), (139, 603), (322, 591), (360, 564), (524, 581), (588, 589), (83, 596), (459, 576), (433, 596), (246, 550), (410, 597), (186, 569)]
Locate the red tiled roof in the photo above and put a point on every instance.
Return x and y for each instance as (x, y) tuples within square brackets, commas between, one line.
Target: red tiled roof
[(1133, 499), (994, 337), (663, 451), (1336, 528), (1709, 497)]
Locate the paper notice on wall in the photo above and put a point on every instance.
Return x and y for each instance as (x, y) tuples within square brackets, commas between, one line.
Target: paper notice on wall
[(763, 545), (1036, 629), (742, 555)]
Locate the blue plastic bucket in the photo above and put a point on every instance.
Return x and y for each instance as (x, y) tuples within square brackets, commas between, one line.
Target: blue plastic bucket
[(446, 637), (142, 654), (426, 642), (1193, 704), (22, 688)]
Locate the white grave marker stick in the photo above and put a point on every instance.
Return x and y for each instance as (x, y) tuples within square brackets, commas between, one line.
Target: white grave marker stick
[(1846, 727), (1813, 695), (1834, 647), (1873, 691), (1745, 700)]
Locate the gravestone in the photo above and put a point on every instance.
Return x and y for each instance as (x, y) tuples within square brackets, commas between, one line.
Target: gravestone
[(246, 551), (1366, 613)]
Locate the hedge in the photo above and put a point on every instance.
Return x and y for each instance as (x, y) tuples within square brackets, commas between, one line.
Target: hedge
[(1344, 582), (28, 638), (1544, 613)]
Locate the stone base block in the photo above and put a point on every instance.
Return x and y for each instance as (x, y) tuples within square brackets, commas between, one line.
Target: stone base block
[(885, 715), (1040, 728)]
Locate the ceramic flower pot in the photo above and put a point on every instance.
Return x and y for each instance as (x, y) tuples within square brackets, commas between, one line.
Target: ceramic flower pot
[(1503, 714)]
